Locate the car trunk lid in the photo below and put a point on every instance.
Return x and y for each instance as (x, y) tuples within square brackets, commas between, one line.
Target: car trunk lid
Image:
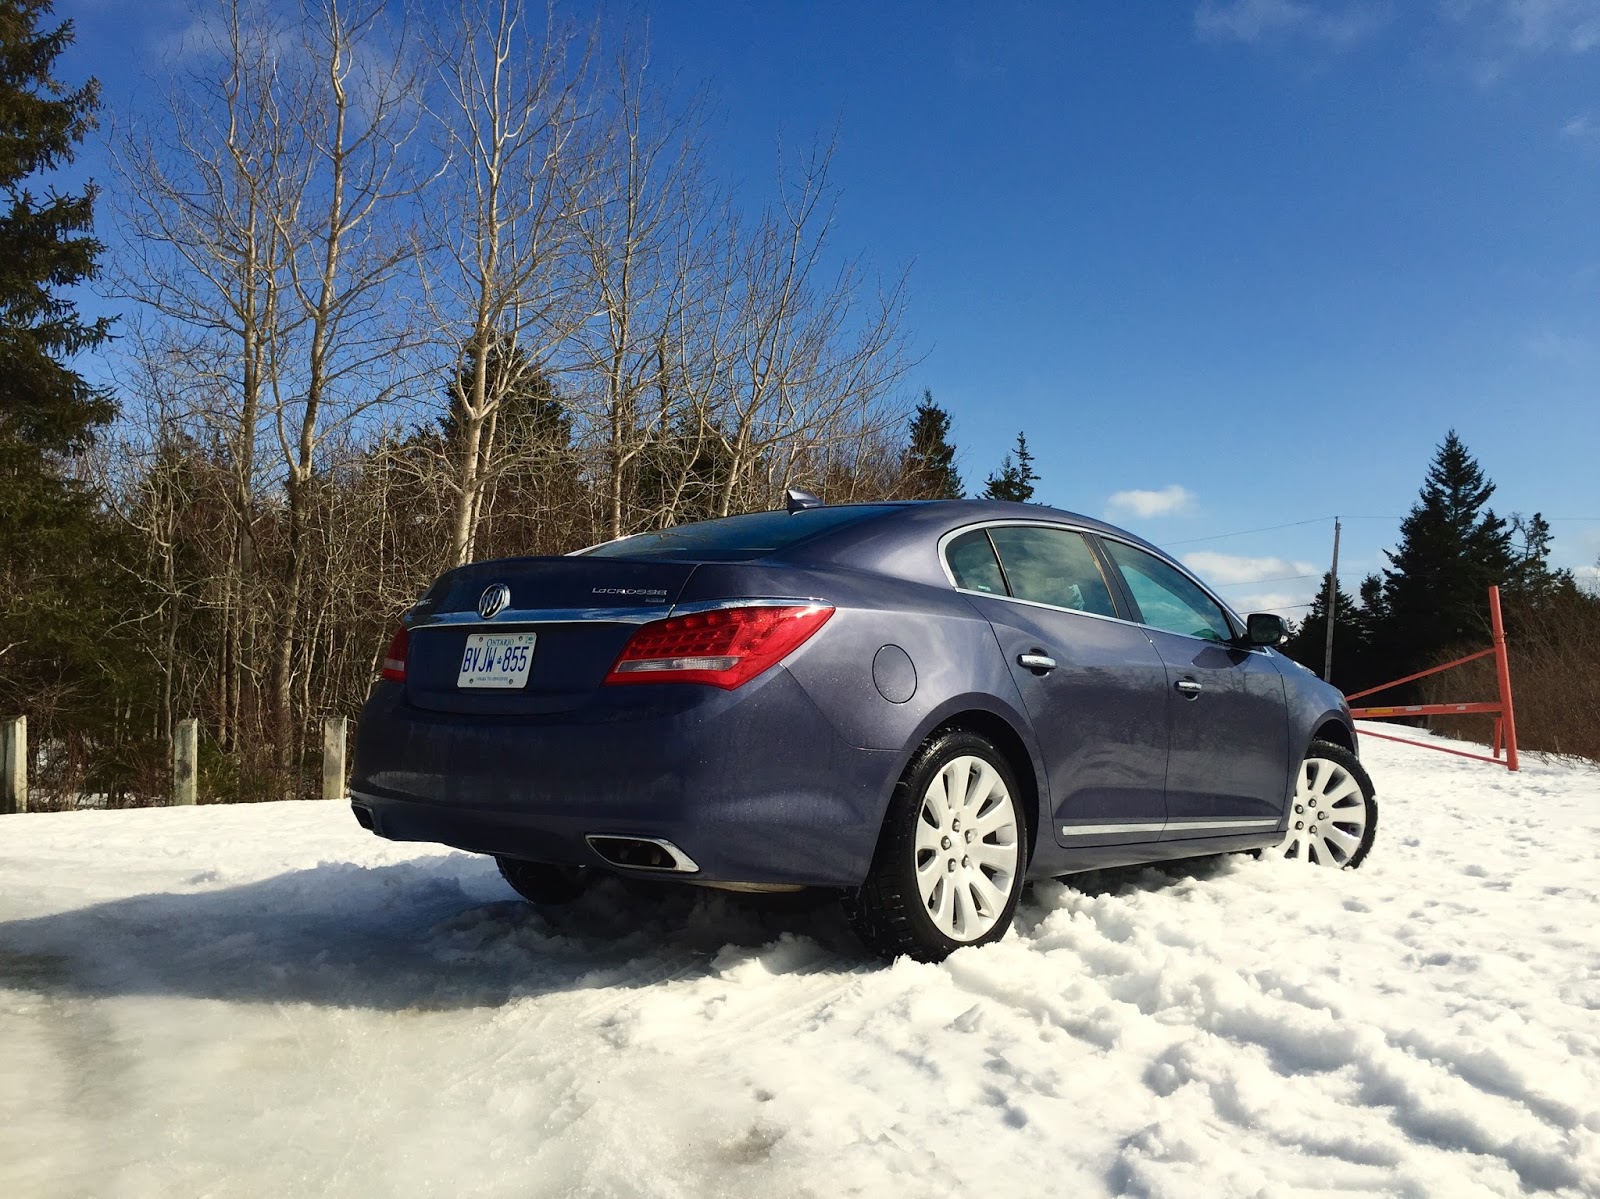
[(579, 612)]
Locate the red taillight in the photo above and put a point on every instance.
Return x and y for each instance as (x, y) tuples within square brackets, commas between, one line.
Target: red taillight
[(394, 662), (725, 647)]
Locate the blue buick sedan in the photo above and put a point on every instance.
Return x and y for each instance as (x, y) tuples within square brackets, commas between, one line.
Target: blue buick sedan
[(919, 705)]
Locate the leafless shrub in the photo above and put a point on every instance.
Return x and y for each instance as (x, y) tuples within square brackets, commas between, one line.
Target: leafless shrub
[(1554, 655)]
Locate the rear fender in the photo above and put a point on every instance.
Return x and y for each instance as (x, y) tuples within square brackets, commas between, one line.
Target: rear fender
[(983, 715), (888, 637)]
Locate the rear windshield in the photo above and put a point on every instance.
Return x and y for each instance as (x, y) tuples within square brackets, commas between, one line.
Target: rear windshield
[(737, 538)]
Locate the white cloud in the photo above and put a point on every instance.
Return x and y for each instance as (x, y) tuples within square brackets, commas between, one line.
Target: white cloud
[(1259, 584), (1551, 345), (1493, 34), (203, 39), (1171, 500), (1580, 128), (1535, 26), (1501, 31), (1579, 551), (1232, 570), (1253, 21)]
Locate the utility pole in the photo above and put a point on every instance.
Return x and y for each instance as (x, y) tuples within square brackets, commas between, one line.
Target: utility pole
[(1333, 600)]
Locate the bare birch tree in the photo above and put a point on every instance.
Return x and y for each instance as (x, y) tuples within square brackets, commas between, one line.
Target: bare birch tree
[(347, 245), (642, 237), (807, 356), (265, 212), (202, 190), (620, 342), (501, 290)]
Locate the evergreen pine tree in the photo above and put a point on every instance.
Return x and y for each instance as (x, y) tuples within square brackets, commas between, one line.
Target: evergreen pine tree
[(1374, 608), (47, 410), (1016, 476), (531, 414), (1366, 668), (930, 471), (1354, 667), (1452, 547), (1308, 646), (61, 588), (1532, 584), (525, 453), (680, 470)]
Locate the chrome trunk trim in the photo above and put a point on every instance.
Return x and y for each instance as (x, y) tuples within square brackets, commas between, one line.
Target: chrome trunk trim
[(515, 616)]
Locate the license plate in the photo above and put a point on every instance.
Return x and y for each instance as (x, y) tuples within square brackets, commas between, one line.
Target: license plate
[(496, 660)]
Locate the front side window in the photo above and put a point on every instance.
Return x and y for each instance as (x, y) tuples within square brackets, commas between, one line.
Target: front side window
[(1052, 566), (1168, 599)]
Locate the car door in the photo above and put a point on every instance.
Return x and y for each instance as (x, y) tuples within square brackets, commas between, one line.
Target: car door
[(1228, 756), (1093, 685)]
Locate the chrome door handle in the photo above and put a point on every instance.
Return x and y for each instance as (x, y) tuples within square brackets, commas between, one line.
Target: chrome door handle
[(1188, 688), (1037, 662)]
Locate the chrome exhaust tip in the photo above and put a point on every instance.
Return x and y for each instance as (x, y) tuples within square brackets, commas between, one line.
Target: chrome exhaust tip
[(650, 854)]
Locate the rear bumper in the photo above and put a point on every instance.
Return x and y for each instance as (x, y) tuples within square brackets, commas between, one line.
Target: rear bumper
[(753, 784)]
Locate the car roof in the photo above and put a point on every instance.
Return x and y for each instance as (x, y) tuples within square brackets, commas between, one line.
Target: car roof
[(976, 510), (899, 538)]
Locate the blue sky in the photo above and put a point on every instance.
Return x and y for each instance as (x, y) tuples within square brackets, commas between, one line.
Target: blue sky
[(1230, 264)]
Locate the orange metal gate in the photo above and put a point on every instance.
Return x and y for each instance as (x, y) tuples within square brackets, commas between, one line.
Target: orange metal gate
[(1505, 720)]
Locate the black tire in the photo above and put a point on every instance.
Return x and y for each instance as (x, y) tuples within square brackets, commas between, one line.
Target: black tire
[(1302, 822), (888, 911), (541, 883)]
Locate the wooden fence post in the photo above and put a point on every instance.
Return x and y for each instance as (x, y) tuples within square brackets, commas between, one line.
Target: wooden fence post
[(333, 742), (185, 761), (14, 765)]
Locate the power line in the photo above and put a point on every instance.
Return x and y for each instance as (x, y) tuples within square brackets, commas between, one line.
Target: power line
[(1254, 582), (1293, 524)]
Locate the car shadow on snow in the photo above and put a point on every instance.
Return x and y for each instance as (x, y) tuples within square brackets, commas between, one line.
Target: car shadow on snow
[(437, 933), (444, 933)]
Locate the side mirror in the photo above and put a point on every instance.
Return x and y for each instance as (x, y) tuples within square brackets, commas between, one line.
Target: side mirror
[(1265, 628)]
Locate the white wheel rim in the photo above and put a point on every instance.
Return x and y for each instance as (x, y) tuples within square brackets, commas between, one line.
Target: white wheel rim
[(1329, 816), (966, 857)]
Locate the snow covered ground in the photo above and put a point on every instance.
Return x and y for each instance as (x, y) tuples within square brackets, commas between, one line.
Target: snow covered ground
[(267, 1000)]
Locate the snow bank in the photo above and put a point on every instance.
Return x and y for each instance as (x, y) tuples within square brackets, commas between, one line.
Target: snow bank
[(267, 1000)]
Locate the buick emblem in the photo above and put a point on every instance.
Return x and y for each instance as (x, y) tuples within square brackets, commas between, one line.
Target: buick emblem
[(493, 601)]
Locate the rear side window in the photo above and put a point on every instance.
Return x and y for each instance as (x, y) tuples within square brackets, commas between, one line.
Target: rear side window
[(972, 563), (1168, 599), (1053, 566), (736, 538)]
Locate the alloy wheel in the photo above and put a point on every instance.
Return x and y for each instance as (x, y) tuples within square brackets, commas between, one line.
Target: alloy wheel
[(1329, 819), (967, 848)]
